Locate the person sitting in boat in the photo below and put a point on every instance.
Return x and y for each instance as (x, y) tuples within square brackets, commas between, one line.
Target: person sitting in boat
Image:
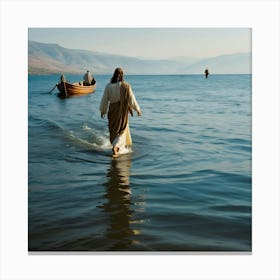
[(88, 79)]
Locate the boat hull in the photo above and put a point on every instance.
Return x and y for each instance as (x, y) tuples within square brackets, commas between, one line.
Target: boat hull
[(67, 89)]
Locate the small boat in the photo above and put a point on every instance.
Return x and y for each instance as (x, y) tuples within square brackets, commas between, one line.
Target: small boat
[(67, 89)]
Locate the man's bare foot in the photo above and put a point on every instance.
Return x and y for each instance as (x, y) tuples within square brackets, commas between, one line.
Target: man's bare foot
[(115, 151)]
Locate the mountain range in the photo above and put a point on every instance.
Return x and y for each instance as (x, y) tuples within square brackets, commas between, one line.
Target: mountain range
[(53, 59)]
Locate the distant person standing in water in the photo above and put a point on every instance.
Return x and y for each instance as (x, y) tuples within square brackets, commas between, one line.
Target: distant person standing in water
[(119, 96), (206, 73), (88, 79)]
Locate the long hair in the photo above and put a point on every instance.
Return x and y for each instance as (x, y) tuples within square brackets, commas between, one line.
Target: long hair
[(117, 76)]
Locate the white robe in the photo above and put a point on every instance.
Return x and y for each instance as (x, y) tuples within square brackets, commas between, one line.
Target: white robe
[(112, 95)]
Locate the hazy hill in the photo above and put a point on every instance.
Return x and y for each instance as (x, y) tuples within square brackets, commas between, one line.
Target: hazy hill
[(225, 64), (52, 58)]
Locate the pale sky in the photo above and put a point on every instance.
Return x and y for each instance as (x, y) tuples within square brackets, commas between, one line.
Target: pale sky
[(157, 43)]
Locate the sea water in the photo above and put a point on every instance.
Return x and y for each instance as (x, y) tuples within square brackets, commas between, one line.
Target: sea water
[(186, 185)]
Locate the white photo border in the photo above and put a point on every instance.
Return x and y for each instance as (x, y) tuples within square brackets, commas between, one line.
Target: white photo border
[(260, 15)]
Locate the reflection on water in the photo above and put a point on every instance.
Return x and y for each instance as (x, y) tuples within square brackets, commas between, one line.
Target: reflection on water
[(119, 205)]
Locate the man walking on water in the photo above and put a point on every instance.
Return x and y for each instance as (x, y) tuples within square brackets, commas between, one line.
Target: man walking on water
[(206, 73)]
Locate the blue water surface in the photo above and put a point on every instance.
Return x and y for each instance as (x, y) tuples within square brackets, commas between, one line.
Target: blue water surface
[(187, 185)]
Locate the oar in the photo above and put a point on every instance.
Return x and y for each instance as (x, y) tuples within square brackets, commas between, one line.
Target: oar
[(53, 89)]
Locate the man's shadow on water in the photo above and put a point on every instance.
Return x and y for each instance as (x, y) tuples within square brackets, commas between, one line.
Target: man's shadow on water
[(120, 235)]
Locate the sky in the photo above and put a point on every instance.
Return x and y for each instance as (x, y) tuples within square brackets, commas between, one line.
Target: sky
[(155, 43)]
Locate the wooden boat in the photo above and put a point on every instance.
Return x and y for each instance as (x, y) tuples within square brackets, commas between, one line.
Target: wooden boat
[(67, 89)]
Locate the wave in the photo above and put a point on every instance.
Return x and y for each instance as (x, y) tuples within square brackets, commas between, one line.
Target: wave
[(83, 135)]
